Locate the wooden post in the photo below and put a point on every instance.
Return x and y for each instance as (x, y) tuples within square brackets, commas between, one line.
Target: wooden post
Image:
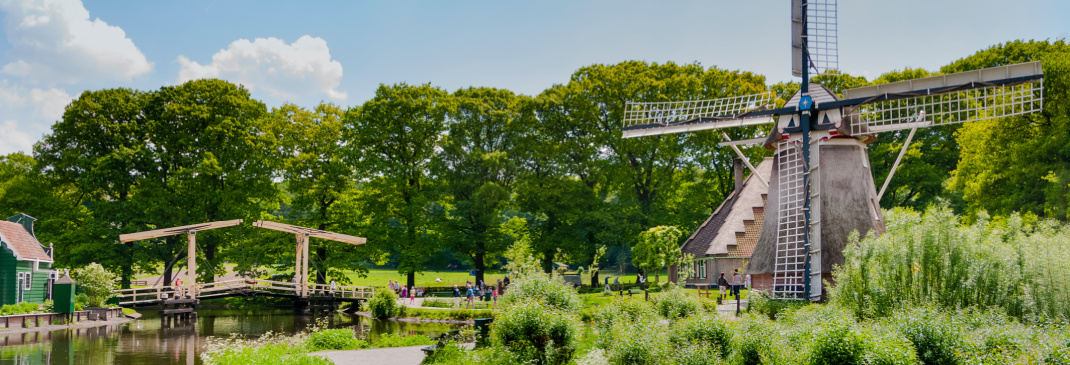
[(298, 272), (191, 264), (304, 257)]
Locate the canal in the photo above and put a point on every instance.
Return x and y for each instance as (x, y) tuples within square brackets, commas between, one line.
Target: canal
[(147, 341)]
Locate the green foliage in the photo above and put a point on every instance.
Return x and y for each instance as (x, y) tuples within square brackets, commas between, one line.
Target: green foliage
[(336, 339), (394, 340), (932, 259), (1022, 163), (936, 337), (384, 304), (270, 354), (19, 308), (764, 303), (677, 303), (96, 282), (81, 301), (129, 311), (658, 247), (454, 314), (536, 332), (709, 329), (541, 288)]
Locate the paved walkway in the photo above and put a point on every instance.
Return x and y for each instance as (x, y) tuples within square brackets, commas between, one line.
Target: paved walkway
[(394, 355)]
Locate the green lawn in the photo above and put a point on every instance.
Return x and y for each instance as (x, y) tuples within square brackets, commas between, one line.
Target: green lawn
[(380, 277)]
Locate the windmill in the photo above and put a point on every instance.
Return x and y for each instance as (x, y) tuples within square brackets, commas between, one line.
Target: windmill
[(821, 188)]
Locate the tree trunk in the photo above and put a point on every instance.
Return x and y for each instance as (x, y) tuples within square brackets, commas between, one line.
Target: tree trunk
[(127, 270), (209, 258), (321, 255), (480, 251), (411, 279), (321, 270), (548, 261)]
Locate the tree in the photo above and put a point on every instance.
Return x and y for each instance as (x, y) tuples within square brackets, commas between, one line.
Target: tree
[(211, 159), (99, 150), (317, 177), (478, 170), (1019, 163), (658, 247), (393, 138)]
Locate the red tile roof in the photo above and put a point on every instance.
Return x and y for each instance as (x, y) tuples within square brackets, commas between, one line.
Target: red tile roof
[(25, 246)]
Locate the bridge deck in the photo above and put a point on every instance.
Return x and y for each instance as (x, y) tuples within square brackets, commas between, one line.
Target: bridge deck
[(156, 295)]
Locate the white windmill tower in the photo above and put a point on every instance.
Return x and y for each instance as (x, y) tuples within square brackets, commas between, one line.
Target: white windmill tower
[(822, 188)]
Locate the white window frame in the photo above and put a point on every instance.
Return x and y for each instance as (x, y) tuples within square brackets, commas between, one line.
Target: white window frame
[(28, 284)]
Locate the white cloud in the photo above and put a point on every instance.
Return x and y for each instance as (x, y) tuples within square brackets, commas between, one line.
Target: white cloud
[(27, 115), (55, 41), (269, 64)]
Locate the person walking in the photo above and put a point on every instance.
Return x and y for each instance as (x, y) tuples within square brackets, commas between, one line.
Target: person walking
[(616, 282), (469, 295), (495, 291), (412, 294), (737, 283), (722, 284), (607, 283), (404, 293), (334, 286)]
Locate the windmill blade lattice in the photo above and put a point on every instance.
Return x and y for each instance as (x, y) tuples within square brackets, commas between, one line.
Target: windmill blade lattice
[(724, 111), (789, 270), (955, 98)]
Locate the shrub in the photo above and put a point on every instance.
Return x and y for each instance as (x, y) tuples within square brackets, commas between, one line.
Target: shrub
[(677, 303), (885, 346), (81, 301), (934, 259), (936, 338), (835, 344), (19, 308), (384, 304), (642, 342), (96, 282), (539, 287), (537, 333), (336, 339), (707, 329), (758, 342), (764, 303)]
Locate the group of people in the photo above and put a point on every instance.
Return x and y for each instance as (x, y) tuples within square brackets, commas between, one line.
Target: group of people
[(403, 291), (735, 285), (473, 290)]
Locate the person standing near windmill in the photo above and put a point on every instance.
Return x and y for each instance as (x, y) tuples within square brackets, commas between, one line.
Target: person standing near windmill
[(737, 282), (722, 284)]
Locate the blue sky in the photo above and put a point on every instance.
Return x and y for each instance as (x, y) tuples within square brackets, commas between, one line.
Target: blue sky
[(308, 52)]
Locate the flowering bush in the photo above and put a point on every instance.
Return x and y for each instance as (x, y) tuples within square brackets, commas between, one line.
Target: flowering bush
[(96, 282), (539, 287)]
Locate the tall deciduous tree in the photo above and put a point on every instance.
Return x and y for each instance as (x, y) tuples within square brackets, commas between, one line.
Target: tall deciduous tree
[(478, 169), (393, 138), (99, 150), (212, 159), (1019, 163), (317, 177)]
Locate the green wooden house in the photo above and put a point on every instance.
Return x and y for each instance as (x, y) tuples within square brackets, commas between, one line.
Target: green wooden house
[(26, 273)]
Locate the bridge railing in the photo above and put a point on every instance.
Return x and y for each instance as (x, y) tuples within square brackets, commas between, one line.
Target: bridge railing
[(342, 291), (156, 293), (146, 294)]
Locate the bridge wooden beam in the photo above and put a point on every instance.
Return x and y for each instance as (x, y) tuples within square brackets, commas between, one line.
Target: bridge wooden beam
[(311, 232), (176, 230)]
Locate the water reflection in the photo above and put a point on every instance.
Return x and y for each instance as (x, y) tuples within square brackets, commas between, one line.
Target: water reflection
[(151, 340)]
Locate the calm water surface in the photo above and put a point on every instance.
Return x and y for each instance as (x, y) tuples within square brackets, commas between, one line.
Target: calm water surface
[(148, 341)]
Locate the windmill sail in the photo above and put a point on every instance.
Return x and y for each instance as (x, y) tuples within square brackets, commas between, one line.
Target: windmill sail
[(821, 36), (790, 260), (653, 118), (955, 98)]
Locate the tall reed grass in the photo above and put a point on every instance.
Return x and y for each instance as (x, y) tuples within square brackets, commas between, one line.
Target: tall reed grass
[(933, 258)]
